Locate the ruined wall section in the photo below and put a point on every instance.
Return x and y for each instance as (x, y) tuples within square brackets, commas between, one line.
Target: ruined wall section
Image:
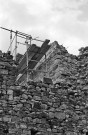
[(60, 64), (42, 109)]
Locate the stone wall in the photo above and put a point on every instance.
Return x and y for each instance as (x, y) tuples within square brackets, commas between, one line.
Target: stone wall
[(41, 109)]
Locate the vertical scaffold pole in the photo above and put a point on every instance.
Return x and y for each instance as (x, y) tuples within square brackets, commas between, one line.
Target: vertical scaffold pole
[(15, 45), (11, 41), (27, 58), (45, 66)]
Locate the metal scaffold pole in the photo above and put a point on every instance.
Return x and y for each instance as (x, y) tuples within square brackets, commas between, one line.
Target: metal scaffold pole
[(11, 41), (15, 45), (20, 36), (27, 58), (45, 66)]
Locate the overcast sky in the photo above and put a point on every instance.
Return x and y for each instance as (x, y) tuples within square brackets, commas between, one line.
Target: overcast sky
[(65, 21)]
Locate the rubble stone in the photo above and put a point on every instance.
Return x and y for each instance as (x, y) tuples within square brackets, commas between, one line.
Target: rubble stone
[(46, 109)]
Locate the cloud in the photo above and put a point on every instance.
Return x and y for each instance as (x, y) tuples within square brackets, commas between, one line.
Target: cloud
[(72, 27), (65, 5), (52, 19), (83, 11), (27, 12), (16, 14), (27, 16)]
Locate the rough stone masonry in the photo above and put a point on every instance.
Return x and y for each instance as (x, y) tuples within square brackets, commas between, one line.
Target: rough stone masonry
[(45, 109)]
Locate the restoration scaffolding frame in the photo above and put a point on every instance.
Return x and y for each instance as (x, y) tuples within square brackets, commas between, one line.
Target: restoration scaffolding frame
[(28, 39)]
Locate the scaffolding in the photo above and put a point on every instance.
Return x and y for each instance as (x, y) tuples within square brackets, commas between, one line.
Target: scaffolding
[(28, 42)]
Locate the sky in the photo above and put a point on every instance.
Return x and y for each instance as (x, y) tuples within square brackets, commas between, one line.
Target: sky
[(65, 21)]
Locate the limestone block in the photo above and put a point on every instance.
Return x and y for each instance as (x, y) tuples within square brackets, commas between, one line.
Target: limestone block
[(84, 121), (10, 92), (49, 129), (4, 103), (26, 132), (23, 101), (85, 88), (37, 98), (60, 115), (1, 119), (44, 106), (1, 111), (19, 105), (63, 106), (38, 88), (3, 72), (52, 109), (23, 125), (10, 97), (54, 130), (24, 96), (12, 131), (75, 117), (6, 119), (71, 133), (51, 114), (43, 89)]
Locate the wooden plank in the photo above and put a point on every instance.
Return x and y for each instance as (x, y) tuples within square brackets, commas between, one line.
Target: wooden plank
[(31, 53)]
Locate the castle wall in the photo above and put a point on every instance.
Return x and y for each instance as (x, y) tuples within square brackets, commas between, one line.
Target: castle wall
[(42, 109)]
